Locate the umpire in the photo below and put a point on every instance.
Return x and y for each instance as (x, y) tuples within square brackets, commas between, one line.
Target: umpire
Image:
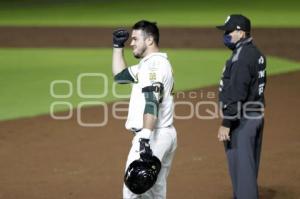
[(241, 96)]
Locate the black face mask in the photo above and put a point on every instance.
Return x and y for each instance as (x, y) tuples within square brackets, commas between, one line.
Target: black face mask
[(227, 41)]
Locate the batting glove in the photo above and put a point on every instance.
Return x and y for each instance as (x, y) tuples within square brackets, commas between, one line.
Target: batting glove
[(120, 36), (144, 139)]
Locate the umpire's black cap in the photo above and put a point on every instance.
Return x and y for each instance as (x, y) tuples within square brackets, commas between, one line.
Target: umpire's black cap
[(236, 22)]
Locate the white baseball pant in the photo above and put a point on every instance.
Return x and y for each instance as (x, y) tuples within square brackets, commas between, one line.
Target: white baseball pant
[(163, 143)]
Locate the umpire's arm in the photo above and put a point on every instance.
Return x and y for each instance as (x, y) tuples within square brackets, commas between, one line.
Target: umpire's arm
[(238, 89)]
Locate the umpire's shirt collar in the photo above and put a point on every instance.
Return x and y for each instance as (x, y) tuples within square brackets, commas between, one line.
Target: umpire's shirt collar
[(243, 42)]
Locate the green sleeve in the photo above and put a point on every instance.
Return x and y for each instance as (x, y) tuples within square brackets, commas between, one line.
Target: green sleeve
[(124, 77), (151, 106)]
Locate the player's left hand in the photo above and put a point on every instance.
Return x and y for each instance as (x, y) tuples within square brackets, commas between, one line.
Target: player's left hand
[(145, 150), (223, 133), (144, 139)]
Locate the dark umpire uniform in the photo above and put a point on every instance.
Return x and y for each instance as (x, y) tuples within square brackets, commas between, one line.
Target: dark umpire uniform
[(241, 96)]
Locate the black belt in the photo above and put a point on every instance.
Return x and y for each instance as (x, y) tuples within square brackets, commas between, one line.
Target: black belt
[(134, 130)]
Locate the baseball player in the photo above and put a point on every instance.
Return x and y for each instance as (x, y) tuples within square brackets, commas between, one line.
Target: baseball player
[(242, 100), (150, 115)]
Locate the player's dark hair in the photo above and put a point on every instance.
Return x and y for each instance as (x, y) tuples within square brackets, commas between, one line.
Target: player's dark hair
[(150, 28)]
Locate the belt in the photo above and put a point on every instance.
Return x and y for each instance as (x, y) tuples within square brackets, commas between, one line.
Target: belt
[(135, 130)]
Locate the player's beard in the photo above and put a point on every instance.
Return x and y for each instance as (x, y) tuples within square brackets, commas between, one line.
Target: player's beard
[(140, 53)]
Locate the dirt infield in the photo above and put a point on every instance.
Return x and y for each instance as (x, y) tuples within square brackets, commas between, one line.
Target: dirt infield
[(273, 41), (43, 158), (46, 158)]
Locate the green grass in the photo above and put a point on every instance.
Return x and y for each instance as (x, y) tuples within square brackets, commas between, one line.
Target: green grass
[(26, 75), (266, 13)]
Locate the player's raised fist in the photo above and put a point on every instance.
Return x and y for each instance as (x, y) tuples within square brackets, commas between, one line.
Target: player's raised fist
[(120, 36)]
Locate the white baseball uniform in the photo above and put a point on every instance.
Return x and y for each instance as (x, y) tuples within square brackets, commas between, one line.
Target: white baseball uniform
[(155, 67)]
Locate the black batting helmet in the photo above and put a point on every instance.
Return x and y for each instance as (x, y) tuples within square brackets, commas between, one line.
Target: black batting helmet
[(141, 175)]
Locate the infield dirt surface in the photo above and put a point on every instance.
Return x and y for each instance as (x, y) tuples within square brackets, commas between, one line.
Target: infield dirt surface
[(43, 158)]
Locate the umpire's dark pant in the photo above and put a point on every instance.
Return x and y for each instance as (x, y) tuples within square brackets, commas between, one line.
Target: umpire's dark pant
[(243, 155)]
